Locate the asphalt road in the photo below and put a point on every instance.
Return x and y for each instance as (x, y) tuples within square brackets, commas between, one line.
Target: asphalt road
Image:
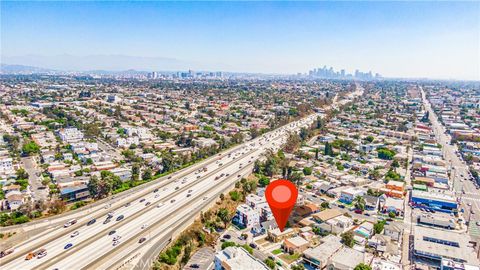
[(34, 179), (178, 197), (463, 187)]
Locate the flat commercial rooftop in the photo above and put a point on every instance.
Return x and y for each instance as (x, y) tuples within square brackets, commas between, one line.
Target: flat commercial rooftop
[(428, 240)]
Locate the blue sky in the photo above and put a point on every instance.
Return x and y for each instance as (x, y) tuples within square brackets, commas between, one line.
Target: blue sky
[(398, 39)]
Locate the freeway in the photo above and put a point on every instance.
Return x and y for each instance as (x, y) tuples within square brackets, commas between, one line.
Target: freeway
[(171, 197), (115, 230), (461, 185)]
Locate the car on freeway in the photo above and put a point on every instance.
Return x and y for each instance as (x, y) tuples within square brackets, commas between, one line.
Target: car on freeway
[(42, 254), (177, 188), (190, 191), (188, 195), (142, 200), (170, 177), (157, 195), (115, 243), (67, 246), (144, 226), (156, 190), (116, 238), (107, 220), (69, 223), (112, 232), (75, 233), (148, 203), (141, 240), (6, 252), (91, 222), (120, 217), (160, 205), (172, 201), (29, 256), (127, 204)]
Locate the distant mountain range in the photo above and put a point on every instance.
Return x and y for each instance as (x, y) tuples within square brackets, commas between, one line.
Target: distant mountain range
[(66, 62), (21, 69)]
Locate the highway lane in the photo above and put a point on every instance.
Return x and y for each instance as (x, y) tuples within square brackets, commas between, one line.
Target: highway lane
[(213, 168), (118, 259), (165, 221), (169, 186), (19, 263), (154, 213), (99, 205), (93, 227), (144, 262)]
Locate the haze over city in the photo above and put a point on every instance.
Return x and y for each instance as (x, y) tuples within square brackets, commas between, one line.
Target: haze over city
[(280, 135), (396, 39)]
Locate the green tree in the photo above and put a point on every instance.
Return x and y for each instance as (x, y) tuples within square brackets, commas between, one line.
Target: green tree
[(30, 148), (328, 150), (362, 266), (370, 138), (228, 244), (270, 263), (385, 154), (263, 181), (359, 203), (347, 239), (325, 205), (147, 174), (224, 216), (21, 174), (307, 170), (378, 227)]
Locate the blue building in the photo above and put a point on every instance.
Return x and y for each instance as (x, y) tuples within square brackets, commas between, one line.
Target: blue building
[(437, 201)]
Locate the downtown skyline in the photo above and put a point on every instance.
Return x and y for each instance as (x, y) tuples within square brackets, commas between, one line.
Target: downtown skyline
[(419, 40)]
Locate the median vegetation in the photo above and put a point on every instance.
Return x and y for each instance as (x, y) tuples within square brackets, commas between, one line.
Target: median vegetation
[(206, 229)]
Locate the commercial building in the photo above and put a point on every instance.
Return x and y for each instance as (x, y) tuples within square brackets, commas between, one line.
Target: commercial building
[(237, 258), (441, 220), (443, 202), (432, 245)]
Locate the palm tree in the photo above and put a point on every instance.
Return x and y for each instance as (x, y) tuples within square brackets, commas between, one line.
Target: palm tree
[(359, 203)]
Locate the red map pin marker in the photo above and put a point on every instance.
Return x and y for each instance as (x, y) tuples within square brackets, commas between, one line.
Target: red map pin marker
[(281, 197)]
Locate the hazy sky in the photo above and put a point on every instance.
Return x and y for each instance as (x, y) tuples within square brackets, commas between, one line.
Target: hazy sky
[(407, 39)]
